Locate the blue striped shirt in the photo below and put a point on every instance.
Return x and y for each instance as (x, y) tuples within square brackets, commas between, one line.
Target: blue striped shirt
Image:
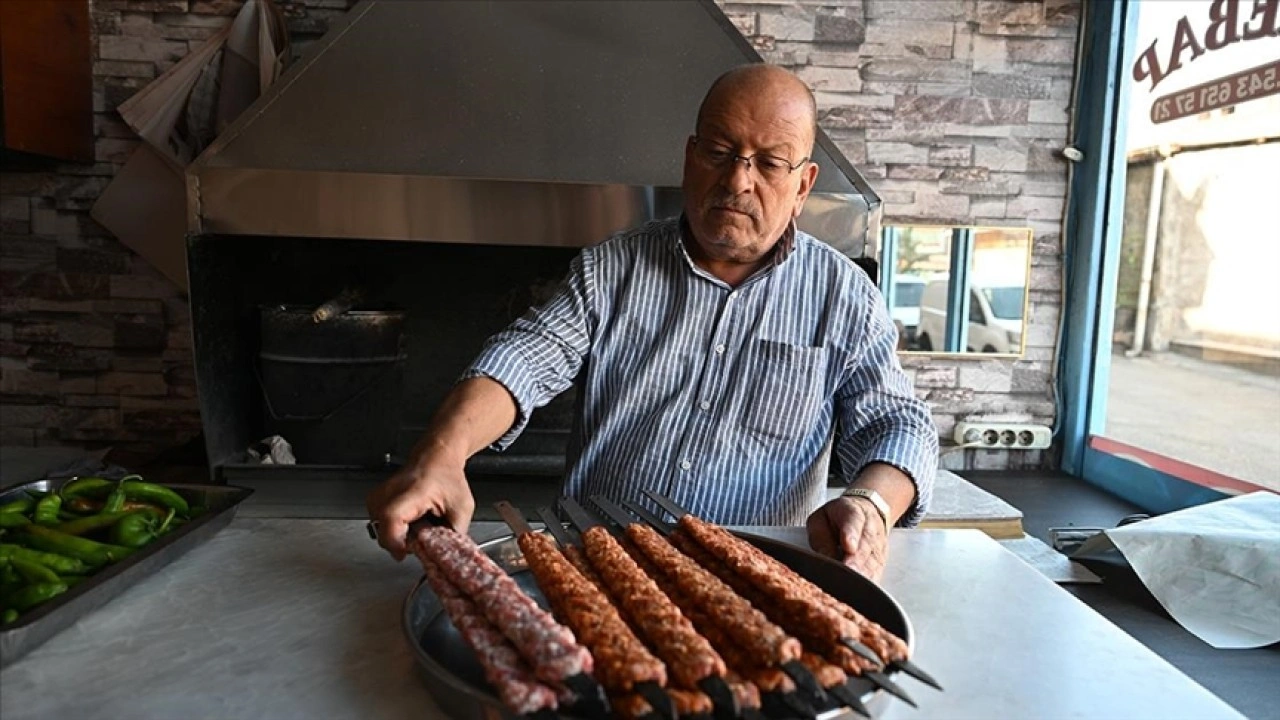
[(722, 398)]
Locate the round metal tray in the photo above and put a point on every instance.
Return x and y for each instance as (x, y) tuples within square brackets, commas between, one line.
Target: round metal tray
[(457, 681)]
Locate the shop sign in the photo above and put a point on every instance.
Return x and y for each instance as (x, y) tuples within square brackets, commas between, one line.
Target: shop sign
[(1234, 89), (1230, 22)]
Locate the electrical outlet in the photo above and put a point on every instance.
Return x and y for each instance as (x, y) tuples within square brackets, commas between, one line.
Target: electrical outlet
[(1003, 436)]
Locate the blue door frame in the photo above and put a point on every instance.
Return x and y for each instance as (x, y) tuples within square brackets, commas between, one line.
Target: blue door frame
[(1091, 260), (957, 336)]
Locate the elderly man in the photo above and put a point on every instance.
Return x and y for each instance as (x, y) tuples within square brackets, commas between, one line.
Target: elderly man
[(718, 353)]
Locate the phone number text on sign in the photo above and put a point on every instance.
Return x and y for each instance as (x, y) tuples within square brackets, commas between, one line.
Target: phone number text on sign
[(1234, 89)]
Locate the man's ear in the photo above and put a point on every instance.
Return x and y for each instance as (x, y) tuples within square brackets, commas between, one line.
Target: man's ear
[(808, 176)]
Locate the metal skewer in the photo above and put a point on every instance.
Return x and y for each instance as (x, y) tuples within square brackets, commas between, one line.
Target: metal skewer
[(667, 504), (792, 706), (914, 671), (548, 517), (723, 700), (847, 695), (512, 517), (613, 511), (804, 680), (882, 681), (649, 517), (862, 650), (658, 699), (578, 515)]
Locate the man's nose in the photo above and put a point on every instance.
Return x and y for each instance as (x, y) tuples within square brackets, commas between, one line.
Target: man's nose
[(739, 176)]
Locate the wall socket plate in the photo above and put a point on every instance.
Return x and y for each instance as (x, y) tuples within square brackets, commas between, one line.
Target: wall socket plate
[(1003, 436)]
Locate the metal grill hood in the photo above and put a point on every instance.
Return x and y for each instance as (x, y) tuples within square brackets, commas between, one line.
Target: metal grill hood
[(501, 123)]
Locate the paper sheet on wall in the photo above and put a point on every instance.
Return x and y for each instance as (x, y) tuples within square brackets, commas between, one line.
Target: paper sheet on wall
[(177, 115), (1215, 567)]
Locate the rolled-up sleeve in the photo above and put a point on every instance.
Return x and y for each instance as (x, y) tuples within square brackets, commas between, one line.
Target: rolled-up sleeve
[(538, 356), (880, 417)]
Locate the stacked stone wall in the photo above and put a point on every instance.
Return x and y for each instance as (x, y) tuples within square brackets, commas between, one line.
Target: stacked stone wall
[(954, 109)]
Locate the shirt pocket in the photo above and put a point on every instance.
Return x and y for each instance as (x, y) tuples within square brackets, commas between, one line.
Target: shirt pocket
[(786, 391)]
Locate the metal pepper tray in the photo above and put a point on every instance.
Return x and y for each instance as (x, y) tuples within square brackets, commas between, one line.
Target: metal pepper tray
[(457, 681), (43, 622)]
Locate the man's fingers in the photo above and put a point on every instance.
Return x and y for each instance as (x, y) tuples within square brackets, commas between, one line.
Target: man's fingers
[(395, 518), (852, 529), (821, 538), (391, 537), (857, 561), (460, 510)]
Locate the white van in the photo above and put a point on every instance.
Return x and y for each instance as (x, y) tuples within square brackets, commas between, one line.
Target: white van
[(995, 318), (907, 290)]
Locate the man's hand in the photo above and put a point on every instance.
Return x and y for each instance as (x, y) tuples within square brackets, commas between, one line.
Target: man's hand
[(851, 531), (427, 486), (474, 414)]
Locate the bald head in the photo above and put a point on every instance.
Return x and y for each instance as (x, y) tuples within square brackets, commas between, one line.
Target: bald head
[(765, 84), (747, 171)]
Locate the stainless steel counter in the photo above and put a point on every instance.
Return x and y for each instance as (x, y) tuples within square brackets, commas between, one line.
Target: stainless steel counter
[(279, 618)]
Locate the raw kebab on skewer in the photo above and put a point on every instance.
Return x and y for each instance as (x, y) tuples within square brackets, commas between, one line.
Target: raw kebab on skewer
[(509, 675), (755, 647), (693, 664), (821, 622), (549, 651), (746, 677)]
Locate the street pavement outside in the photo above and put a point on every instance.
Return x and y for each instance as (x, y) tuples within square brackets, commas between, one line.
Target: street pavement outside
[(1216, 416)]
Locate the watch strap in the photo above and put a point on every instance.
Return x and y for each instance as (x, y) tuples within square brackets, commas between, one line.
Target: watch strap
[(876, 500)]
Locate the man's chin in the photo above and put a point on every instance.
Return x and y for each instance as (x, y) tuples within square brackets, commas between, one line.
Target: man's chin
[(730, 228), (727, 241)]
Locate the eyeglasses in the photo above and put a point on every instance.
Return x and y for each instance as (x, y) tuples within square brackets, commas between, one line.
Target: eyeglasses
[(770, 168)]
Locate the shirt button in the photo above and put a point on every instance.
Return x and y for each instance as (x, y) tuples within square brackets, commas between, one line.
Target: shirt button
[(705, 405), (685, 464), (720, 349)]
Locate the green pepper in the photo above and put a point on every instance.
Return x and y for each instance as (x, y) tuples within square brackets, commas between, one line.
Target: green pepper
[(35, 573), (47, 510), (10, 580), (82, 505), (60, 564), (9, 616), (157, 494), (20, 505), (85, 525), (13, 520), (32, 595), (87, 487), (139, 529), (87, 506), (115, 501), (8, 576), (92, 553)]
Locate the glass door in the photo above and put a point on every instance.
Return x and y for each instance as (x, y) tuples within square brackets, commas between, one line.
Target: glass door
[(1176, 400)]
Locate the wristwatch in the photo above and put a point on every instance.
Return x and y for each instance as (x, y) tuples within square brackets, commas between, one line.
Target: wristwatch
[(881, 506)]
